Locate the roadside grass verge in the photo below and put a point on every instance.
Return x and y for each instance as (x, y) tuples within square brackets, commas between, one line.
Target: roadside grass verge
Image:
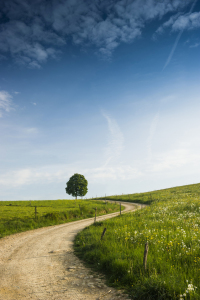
[(171, 225), (18, 216)]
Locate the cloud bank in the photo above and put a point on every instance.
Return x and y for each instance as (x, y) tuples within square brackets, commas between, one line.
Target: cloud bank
[(31, 32)]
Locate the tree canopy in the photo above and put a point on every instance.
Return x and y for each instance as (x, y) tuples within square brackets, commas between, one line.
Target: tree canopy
[(77, 186)]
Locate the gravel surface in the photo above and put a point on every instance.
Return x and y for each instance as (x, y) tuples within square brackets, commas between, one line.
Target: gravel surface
[(40, 264)]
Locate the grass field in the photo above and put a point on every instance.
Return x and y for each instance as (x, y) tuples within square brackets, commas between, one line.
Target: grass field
[(153, 196), (18, 216), (171, 225)]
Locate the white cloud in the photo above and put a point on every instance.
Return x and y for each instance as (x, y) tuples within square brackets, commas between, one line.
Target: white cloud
[(166, 25), (169, 99), (18, 39), (60, 173), (181, 28), (170, 160), (28, 176), (175, 159), (116, 140), (152, 131), (179, 22), (36, 31), (187, 21), (195, 45), (5, 102), (34, 65), (29, 130), (121, 172), (18, 134), (173, 147)]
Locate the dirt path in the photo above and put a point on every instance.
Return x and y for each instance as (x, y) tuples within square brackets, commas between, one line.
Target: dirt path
[(40, 264)]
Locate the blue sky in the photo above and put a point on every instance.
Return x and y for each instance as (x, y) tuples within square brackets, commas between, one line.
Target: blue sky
[(107, 89)]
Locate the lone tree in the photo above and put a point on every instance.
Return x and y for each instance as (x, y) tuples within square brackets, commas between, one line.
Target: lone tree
[(77, 186)]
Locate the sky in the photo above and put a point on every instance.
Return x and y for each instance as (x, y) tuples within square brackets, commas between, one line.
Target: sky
[(108, 89)]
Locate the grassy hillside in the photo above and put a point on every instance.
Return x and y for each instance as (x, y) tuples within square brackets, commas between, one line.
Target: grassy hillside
[(17, 216), (166, 194), (171, 225)]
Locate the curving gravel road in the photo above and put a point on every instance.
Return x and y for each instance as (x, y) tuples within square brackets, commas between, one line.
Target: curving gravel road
[(40, 264)]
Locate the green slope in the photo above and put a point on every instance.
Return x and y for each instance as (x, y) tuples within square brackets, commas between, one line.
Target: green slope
[(171, 225)]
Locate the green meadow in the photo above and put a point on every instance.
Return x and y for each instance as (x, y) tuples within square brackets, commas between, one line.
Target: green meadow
[(18, 216), (170, 224)]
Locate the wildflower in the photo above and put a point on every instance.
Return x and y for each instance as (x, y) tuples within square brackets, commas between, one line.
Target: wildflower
[(190, 287)]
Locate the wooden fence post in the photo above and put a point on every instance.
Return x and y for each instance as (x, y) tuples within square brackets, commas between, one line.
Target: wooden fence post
[(120, 208), (145, 255), (35, 212), (95, 218), (104, 231)]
